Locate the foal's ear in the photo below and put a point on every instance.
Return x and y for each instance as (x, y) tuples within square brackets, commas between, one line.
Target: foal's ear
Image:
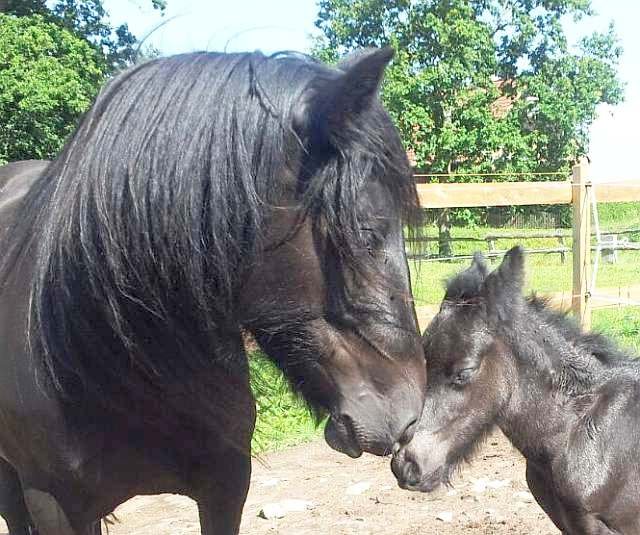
[(503, 287), (512, 266), (339, 100), (479, 264)]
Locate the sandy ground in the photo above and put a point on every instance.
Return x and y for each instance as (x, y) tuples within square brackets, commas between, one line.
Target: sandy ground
[(360, 497)]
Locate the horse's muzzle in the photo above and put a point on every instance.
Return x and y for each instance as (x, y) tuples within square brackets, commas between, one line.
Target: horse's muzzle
[(341, 436)]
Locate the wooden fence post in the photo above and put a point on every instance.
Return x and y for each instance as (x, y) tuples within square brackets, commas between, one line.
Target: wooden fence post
[(581, 243)]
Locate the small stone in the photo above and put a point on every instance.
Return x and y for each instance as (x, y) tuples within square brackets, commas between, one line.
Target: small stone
[(524, 496), (280, 509), (445, 516), (494, 518), (479, 485), (271, 510), (452, 492), (358, 488), (482, 484)]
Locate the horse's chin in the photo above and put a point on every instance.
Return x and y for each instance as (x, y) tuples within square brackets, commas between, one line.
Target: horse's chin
[(341, 438)]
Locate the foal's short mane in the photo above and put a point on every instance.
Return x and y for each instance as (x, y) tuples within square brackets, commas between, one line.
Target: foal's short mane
[(545, 336), (145, 225), (596, 344)]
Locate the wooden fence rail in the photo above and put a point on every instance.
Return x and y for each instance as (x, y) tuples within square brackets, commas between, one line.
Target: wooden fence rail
[(520, 193), (578, 192)]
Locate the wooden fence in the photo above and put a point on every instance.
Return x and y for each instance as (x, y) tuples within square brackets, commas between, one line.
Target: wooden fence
[(492, 251), (578, 192)]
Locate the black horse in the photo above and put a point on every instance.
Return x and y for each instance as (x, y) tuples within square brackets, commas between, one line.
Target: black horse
[(202, 195), (568, 400)]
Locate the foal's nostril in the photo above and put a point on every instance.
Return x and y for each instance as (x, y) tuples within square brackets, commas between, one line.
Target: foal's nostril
[(410, 473), (408, 432)]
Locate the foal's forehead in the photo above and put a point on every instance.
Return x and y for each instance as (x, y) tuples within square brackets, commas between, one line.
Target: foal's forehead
[(452, 328)]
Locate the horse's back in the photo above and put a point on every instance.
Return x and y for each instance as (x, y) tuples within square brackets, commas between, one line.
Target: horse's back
[(15, 180), (19, 393)]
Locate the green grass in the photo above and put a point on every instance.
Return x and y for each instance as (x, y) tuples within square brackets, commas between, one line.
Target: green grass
[(282, 417), (545, 272), (622, 324), (622, 215)]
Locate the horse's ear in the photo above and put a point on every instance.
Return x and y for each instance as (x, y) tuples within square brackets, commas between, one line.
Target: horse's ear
[(338, 101), (359, 85), (503, 287)]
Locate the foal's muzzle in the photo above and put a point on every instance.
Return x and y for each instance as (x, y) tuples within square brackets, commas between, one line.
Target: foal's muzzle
[(409, 472)]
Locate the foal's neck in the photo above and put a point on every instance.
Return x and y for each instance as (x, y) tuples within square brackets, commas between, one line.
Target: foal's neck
[(535, 420), (553, 379)]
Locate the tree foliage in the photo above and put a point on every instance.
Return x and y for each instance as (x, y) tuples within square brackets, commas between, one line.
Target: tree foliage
[(87, 19), (483, 85), (54, 56), (48, 77)]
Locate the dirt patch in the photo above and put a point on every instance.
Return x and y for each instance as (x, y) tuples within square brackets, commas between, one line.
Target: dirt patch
[(361, 497)]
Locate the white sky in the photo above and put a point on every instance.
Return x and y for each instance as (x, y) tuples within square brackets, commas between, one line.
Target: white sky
[(273, 25)]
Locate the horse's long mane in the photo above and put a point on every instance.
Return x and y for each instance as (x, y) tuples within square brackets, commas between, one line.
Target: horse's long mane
[(144, 226)]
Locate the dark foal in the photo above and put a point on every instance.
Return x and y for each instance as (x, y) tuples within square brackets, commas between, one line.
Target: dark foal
[(568, 400)]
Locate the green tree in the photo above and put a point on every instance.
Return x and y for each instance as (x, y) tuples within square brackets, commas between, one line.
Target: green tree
[(54, 56), (482, 86), (48, 77), (89, 20)]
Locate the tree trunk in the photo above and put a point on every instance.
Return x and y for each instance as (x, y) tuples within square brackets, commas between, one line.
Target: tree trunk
[(444, 225), (444, 233)]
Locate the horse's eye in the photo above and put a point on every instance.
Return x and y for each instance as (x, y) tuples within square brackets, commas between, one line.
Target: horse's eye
[(462, 377), (372, 240)]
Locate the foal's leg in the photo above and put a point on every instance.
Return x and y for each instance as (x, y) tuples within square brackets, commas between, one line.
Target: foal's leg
[(50, 519), (12, 506), (47, 515), (221, 499), (545, 496), (95, 529)]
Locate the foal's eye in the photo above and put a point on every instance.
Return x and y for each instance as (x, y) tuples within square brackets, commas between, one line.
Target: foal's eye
[(463, 376)]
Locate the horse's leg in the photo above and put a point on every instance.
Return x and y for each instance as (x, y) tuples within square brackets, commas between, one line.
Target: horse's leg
[(220, 500), (12, 506), (47, 514)]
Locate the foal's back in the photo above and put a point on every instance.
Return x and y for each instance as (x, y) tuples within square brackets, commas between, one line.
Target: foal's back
[(598, 477)]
